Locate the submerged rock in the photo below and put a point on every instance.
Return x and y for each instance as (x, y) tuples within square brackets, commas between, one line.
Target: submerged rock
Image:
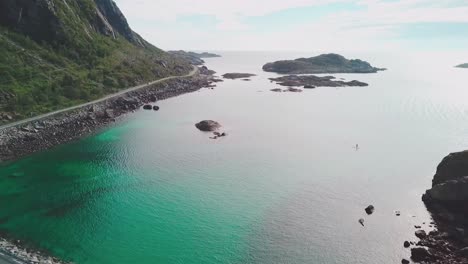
[(208, 125)]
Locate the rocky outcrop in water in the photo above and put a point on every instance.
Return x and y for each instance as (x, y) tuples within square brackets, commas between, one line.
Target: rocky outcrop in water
[(312, 81), (208, 125), (447, 202), (464, 65), (236, 75), (325, 63)]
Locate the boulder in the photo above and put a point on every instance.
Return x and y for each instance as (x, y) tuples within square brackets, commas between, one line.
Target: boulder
[(420, 234), (208, 125), (406, 244), (420, 254), (148, 107), (370, 209), (153, 98), (156, 108), (405, 261), (109, 113)]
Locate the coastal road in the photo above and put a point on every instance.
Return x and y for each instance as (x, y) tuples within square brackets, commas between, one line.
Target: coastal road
[(39, 117)]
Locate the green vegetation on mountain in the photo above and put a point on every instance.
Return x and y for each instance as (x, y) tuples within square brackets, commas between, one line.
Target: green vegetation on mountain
[(57, 53)]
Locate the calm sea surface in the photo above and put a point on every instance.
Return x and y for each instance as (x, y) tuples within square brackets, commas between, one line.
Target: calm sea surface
[(285, 186)]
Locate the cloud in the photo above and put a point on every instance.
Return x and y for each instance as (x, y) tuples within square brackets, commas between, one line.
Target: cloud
[(358, 24)]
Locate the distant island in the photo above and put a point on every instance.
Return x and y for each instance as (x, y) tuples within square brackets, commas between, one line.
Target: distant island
[(193, 57), (236, 75), (464, 65), (325, 63)]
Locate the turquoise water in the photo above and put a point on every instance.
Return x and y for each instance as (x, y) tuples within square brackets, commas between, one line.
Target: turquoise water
[(285, 186)]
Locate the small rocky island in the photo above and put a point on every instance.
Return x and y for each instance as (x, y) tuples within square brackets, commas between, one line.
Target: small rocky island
[(325, 63), (208, 125), (311, 81), (464, 65), (447, 201), (193, 57), (236, 75)]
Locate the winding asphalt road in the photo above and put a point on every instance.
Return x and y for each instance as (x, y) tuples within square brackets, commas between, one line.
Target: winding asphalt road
[(39, 117)]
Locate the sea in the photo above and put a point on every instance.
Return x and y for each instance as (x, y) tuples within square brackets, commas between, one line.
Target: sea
[(286, 185)]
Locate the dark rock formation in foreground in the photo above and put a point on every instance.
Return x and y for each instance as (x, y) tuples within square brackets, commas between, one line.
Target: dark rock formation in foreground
[(447, 201), (464, 65), (16, 142), (312, 81), (236, 75), (325, 63), (208, 125)]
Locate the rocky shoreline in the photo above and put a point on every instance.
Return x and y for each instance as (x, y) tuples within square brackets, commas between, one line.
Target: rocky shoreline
[(39, 135), (15, 252), (16, 142), (447, 201)]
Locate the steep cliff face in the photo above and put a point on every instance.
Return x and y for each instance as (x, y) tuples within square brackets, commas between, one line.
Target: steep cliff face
[(110, 15), (57, 53), (43, 20), (36, 19)]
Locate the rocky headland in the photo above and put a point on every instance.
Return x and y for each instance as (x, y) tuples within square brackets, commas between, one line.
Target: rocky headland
[(312, 81), (464, 65), (325, 63), (193, 57), (447, 202)]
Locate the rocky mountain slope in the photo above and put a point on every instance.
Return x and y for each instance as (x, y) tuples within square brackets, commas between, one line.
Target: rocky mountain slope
[(57, 53), (325, 63)]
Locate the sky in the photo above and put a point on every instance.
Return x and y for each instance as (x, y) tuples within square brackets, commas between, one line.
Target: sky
[(301, 25)]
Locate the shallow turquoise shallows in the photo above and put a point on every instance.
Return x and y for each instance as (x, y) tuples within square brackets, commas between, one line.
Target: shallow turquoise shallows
[(285, 185)]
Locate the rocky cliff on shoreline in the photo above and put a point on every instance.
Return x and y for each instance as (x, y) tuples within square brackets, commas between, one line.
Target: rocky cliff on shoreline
[(447, 202), (325, 63)]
